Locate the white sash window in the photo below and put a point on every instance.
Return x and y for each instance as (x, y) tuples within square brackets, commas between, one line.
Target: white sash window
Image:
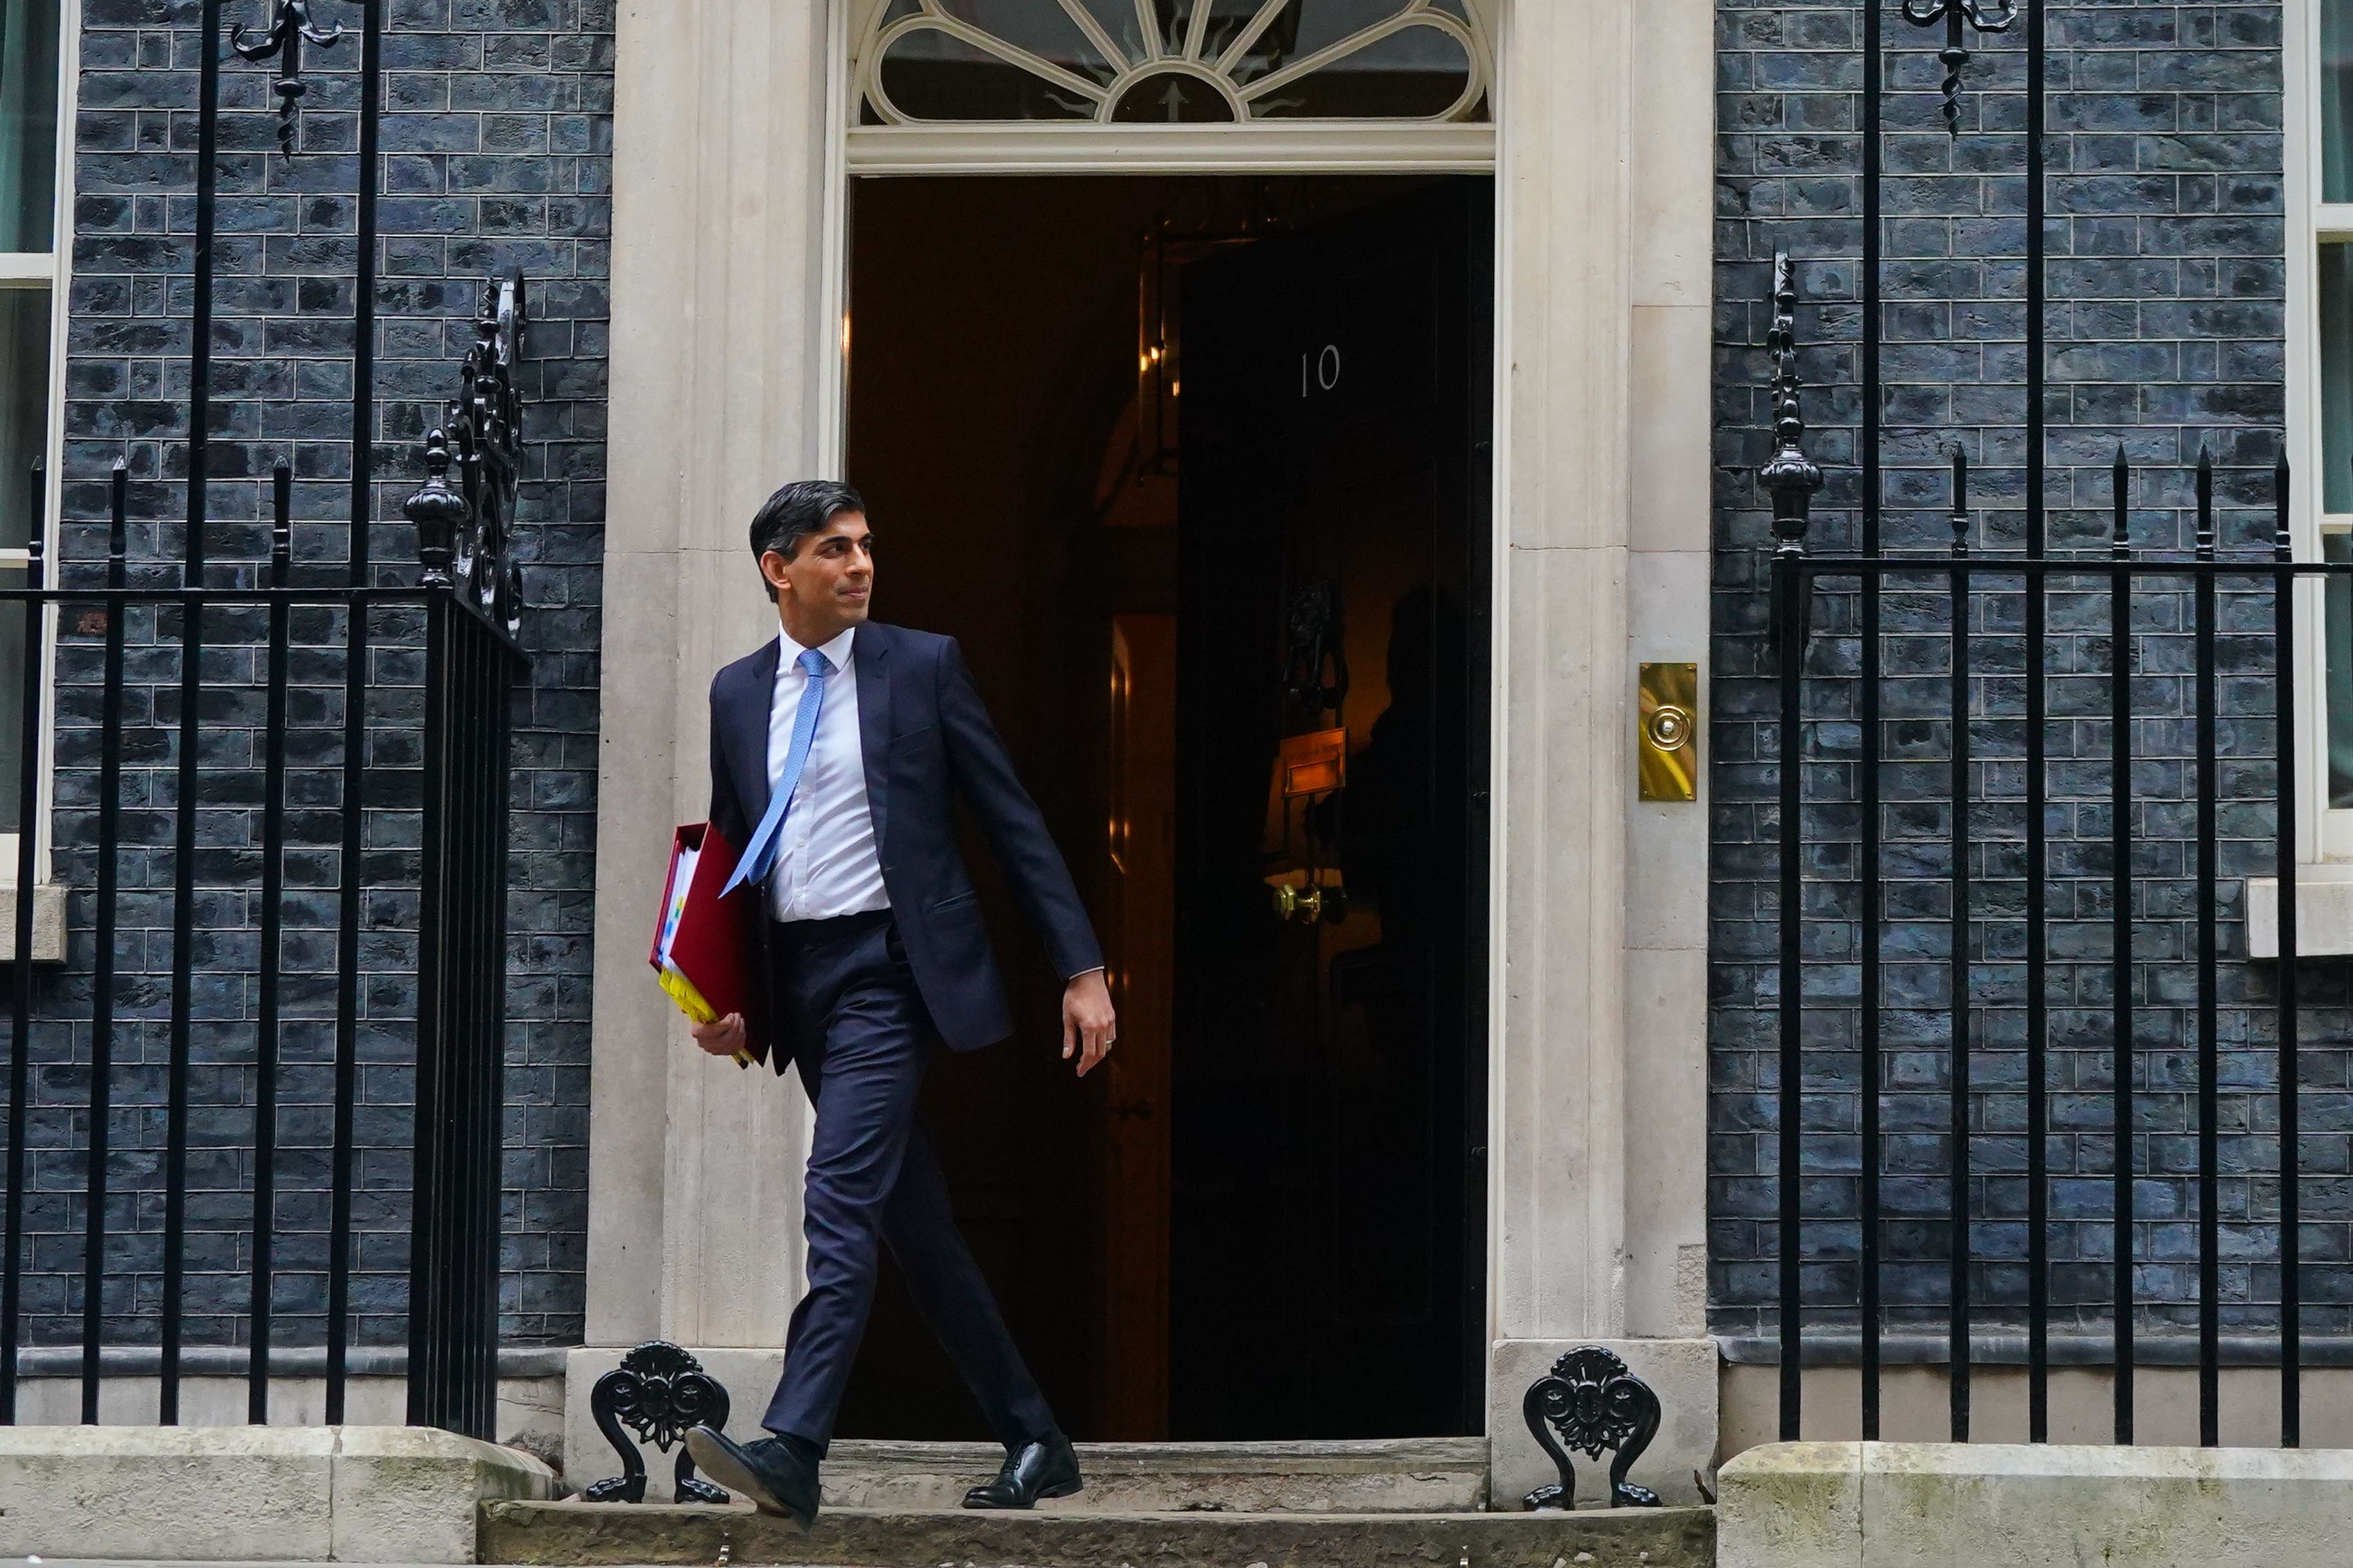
[(33, 180)]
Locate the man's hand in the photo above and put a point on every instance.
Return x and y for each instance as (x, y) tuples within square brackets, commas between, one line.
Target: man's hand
[(1089, 1025), (724, 1038)]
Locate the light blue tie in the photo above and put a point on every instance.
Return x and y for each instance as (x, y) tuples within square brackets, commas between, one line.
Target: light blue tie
[(768, 839)]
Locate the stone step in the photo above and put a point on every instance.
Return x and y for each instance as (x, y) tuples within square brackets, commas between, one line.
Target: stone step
[(1057, 1536), (1417, 1474)]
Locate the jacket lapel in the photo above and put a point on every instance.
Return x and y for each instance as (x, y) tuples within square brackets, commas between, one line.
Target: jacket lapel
[(870, 654), (747, 723)]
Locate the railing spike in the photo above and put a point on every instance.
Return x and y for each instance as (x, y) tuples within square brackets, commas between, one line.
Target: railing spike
[(282, 527), (117, 528), (2282, 539), (36, 525), (1960, 500), (2205, 504), (2120, 480)]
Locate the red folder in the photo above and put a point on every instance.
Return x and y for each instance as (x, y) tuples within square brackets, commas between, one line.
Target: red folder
[(706, 952)]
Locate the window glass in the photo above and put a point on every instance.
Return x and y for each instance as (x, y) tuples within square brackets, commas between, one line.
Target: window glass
[(28, 122), (1377, 59), (932, 75), (2340, 547), (12, 706), (1045, 31), (1172, 99), (1320, 24), (1176, 19), (1414, 72), (2336, 378), (24, 406), (2336, 101)]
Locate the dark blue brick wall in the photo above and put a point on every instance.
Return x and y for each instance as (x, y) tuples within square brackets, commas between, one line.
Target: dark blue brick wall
[(496, 134), (2167, 284)]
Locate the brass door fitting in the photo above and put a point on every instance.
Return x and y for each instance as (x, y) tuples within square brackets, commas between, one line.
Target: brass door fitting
[(1667, 739)]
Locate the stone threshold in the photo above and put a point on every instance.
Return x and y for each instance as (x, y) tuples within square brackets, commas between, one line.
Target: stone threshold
[(1057, 1536), (1418, 1474)]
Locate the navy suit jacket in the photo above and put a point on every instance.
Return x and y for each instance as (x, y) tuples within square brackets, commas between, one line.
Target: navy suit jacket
[(927, 742)]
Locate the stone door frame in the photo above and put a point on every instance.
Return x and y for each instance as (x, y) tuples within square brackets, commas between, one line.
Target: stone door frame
[(731, 171)]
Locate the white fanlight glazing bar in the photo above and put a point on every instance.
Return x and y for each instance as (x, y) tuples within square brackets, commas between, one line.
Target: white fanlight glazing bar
[(1200, 30), (1250, 34)]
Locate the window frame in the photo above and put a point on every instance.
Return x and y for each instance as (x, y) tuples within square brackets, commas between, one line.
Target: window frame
[(2323, 833), (51, 270), (1402, 144)]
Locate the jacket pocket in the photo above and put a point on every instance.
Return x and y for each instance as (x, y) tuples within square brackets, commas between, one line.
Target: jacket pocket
[(956, 901)]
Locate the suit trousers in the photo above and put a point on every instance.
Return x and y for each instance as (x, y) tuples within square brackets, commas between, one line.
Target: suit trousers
[(862, 1038)]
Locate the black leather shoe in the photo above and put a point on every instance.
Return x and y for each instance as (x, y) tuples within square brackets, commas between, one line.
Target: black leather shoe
[(772, 1477), (1046, 1467)]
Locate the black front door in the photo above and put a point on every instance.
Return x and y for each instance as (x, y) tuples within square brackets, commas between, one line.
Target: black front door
[(1327, 1160)]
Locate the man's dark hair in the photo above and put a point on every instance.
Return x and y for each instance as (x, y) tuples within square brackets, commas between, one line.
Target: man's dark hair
[(796, 511)]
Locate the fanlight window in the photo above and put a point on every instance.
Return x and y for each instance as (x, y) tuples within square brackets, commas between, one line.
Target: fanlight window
[(1172, 61)]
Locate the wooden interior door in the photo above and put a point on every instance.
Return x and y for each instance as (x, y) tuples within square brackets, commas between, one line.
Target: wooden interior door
[(1328, 1064)]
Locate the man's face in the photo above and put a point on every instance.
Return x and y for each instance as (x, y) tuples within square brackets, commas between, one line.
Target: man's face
[(830, 578)]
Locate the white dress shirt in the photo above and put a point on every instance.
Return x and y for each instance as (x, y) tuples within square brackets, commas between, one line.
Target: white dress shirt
[(826, 865)]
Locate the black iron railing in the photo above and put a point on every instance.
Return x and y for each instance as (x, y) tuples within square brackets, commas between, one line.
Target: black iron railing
[(326, 756), (402, 800), (1829, 790), (1954, 1002)]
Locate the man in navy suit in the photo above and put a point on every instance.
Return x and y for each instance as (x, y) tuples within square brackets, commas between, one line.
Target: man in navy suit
[(837, 752)]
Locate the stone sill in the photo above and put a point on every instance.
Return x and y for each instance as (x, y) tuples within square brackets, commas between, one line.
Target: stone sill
[(285, 1361), (1843, 1347), (49, 922), (2323, 912)]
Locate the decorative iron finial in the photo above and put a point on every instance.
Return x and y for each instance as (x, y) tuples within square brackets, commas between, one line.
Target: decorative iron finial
[(2120, 485), (290, 27), (2205, 504), (1789, 475), (1985, 16), (480, 436), (438, 511)]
